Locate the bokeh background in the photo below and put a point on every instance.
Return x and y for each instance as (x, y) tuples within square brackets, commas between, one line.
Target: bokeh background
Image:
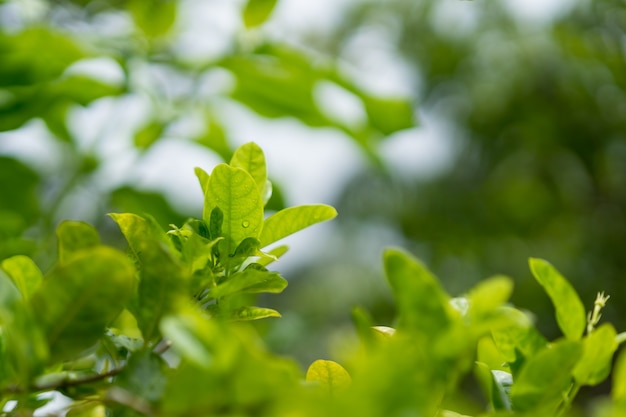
[(474, 134)]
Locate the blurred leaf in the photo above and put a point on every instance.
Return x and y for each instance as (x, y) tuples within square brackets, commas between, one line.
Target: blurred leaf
[(203, 178), (388, 115), (496, 385), (23, 347), (215, 139), (546, 377), (274, 254), (256, 12), (154, 17), (520, 339), (598, 349), (144, 376), (618, 393), (570, 312), (78, 298), (190, 331), (489, 295), (423, 306), (19, 206), (292, 220), (161, 277), (36, 55), (331, 376), (147, 135), (87, 409), (250, 281), (83, 89), (24, 273), (247, 313), (235, 193), (251, 159), (73, 237)]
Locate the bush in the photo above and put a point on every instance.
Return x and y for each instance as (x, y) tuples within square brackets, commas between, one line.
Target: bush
[(165, 329)]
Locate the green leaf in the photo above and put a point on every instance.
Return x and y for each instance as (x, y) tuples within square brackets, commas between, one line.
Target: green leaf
[(618, 393), (127, 199), (80, 297), (28, 58), (215, 139), (496, 385), (144, 376), (23, 348), (154, 17), (24, 273), (235, 193), (203, 178), (423, 305), (598, 349), (488, 295), (273, 255), (570, 311), (292, 220), (250, 281), (251, 159), (147, 135), (256, 12), (331, 376), (75, 236), (247, 313), (520, 338), (161, 277), (546, 377), (188, 329), (389, 115)]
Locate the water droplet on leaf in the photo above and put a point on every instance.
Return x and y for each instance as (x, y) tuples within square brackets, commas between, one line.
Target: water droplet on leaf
[(245, 224)]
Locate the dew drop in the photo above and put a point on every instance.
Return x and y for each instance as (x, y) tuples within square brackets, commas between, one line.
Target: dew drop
[(245, 224)]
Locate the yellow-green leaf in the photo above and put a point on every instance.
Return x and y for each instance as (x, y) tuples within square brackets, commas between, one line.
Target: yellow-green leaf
[(24, 273), (292, 220), (256, 12), (331, 376), (570, 311)]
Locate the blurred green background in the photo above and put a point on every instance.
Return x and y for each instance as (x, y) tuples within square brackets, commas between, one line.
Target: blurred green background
[(519, 149)]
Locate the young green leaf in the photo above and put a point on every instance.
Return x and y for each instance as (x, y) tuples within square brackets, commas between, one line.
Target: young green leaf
[(235, 193), (24, 273), (251, 159), (598, 349), (77, 299), (570, 311), (422, 304), (546, 377), (75, 236), (488, 295), (203, 178), (257, 11), (248, 313), (331, 376), (250, 281), (292, 220), (273, 255)]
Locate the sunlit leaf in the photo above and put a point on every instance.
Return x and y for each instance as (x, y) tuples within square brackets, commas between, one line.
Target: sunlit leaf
[(496, 385), (598, 349), (154, 17), (292, 220), (247, 313), (619, 379), (251, 159), (78, 298), (235, 193), (570, 311), (331, 376), (74, 237), (257, 11), (24, 273)]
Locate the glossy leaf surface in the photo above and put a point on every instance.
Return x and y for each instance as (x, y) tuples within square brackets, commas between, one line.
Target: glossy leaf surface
[(293, 219)]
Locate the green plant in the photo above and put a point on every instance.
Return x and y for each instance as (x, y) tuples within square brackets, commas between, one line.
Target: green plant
[(164, 330)]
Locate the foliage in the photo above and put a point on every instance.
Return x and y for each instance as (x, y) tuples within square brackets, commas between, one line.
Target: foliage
[(73, 57), (161, 330)]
